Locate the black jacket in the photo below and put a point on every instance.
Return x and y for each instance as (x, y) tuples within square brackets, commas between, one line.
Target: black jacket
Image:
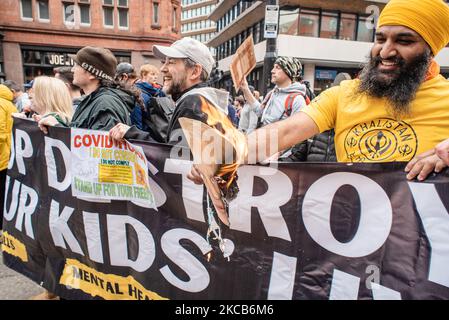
[(320, 148), (103, 109), (189, 107)]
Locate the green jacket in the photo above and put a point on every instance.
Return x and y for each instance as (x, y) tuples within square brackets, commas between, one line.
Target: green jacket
[(103, 109)]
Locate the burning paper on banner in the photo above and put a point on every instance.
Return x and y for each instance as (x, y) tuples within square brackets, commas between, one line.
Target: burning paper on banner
[(217, 157), (106, 169)]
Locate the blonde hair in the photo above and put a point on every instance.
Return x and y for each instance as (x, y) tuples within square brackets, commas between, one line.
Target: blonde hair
[(52, 95), (147, 68)]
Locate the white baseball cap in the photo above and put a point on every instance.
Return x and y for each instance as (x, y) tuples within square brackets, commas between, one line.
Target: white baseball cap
[(187, 48)]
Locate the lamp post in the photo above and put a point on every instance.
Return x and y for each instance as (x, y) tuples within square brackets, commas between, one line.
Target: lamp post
[(270, 33)]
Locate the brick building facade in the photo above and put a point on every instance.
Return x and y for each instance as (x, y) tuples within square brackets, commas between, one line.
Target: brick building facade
[(38, 35)]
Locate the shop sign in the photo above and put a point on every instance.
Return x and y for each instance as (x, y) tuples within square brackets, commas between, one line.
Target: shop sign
[(325, 74), (56, 59)]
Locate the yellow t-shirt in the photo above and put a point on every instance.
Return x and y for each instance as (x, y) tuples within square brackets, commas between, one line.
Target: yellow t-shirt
[(366, 132)]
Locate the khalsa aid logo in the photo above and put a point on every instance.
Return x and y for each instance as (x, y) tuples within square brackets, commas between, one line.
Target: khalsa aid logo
[(380, 140)]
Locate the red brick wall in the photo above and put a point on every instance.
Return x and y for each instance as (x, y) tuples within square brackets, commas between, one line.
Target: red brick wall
[(138, 39), (140, 14)]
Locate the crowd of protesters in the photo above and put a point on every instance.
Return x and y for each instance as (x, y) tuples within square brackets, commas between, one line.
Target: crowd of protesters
[(105, 93), (401, 81)]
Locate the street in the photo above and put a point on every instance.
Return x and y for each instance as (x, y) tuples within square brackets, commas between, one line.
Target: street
[(15, 286)]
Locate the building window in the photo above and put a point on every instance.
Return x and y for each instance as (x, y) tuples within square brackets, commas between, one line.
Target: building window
[(175, 18), (2, 74), (77, 14), (123, 14), (309, 23), (156, 13), (261, 30), (26, 10), (365, 32), (84, 14), (108, 17), (123, 18), (256, 32), (329, 24), (69, 13), (108, 13), (289, 21), (348, 24), (226, 49), (233, 45), (43, 10)]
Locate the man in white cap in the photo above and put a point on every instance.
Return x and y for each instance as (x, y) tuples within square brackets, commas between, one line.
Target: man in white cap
[(187, 64)]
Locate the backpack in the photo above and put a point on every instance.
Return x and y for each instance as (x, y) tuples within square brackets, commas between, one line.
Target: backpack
[(288, 104), (309, 93), (157, 115)]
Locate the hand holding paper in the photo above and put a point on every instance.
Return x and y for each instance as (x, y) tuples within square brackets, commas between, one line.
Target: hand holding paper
[(243, 62)]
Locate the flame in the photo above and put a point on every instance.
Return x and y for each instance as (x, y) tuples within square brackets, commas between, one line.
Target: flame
[(219, 121)]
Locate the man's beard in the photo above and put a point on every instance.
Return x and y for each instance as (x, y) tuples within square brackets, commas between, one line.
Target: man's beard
[(400, 90), (176, 88)]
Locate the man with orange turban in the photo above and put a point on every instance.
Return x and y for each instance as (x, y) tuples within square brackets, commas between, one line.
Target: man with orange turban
[(396, 110)]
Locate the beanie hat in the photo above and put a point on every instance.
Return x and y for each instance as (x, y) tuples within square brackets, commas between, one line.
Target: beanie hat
[(98, 61), (291, 66)]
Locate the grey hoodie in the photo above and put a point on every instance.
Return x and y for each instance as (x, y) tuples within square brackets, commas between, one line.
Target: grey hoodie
[(248, 119), (275, 107)]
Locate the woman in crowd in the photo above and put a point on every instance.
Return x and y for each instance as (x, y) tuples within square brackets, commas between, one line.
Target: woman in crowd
[(50, 97)]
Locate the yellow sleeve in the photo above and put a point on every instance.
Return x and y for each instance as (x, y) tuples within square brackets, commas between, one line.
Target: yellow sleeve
[(3, 119), (3, 126), (323, 109), (6, 120)]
